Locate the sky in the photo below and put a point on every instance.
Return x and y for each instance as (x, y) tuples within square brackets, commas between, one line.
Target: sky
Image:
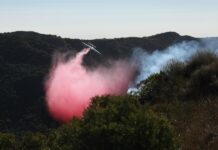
[(91, 19)]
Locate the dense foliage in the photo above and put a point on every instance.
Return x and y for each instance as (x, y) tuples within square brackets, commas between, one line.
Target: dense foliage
[(195, 79), (25, 59), (109, 123), (174, 109)]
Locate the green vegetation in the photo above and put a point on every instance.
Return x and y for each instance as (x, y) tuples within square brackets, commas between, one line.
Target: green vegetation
[(196, 79), (186, 93), (174, 109), (195, 122), (109, 123), (25, 59), (7, 141)]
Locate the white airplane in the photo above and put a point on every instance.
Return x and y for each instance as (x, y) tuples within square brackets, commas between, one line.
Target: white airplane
[(91, 46)]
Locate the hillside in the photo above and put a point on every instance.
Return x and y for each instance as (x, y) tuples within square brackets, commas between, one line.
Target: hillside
[(25, 60), (174, 109)]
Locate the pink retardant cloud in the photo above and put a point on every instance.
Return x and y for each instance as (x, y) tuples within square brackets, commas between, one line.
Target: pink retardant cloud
[(70, 86)]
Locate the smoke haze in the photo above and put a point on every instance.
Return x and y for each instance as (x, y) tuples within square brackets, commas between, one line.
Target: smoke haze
[(150, 63)]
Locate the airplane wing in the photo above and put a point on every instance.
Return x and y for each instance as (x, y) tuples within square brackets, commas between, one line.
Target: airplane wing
[(91, 44), (96, 50), (87, 45)]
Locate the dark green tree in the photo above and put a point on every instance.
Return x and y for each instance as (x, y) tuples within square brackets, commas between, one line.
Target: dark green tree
[(116, 123), (7, 141), (33, 141)]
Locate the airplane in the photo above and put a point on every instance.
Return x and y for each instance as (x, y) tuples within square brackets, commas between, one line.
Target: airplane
[(92, 47)]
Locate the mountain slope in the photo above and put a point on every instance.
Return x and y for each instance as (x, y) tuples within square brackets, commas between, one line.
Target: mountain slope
[(25, 59)]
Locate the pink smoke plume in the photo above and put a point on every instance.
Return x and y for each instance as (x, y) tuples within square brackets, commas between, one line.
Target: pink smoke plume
[(71, 86)]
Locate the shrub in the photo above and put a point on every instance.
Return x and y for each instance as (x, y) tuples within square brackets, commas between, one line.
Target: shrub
[(204, 81), (164, 86), (174, 68), (194, 79), (66, 137), (7, 141), (201, 72), (198, 60), (33, 141), (117, 123)]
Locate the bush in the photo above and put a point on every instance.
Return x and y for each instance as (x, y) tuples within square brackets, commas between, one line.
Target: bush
[(152, 88), (122, 123), (204, 81), (66, 137), (164, 86), (117, 123), (194, 79), (33, 141), (7, 141), (198, 60), (202, 75)]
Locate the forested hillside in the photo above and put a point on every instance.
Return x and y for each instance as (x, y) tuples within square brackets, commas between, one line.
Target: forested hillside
[(26, 58), (176, 108)]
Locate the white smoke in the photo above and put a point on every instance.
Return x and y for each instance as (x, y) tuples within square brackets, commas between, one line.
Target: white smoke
[(210, 44), (150, 63)]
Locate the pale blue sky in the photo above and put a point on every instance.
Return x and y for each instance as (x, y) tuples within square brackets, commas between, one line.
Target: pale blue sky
[(90, 19)]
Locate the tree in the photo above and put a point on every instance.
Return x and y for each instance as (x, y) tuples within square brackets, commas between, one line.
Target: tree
[(33, 141), (116, 122), (7, 141)]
